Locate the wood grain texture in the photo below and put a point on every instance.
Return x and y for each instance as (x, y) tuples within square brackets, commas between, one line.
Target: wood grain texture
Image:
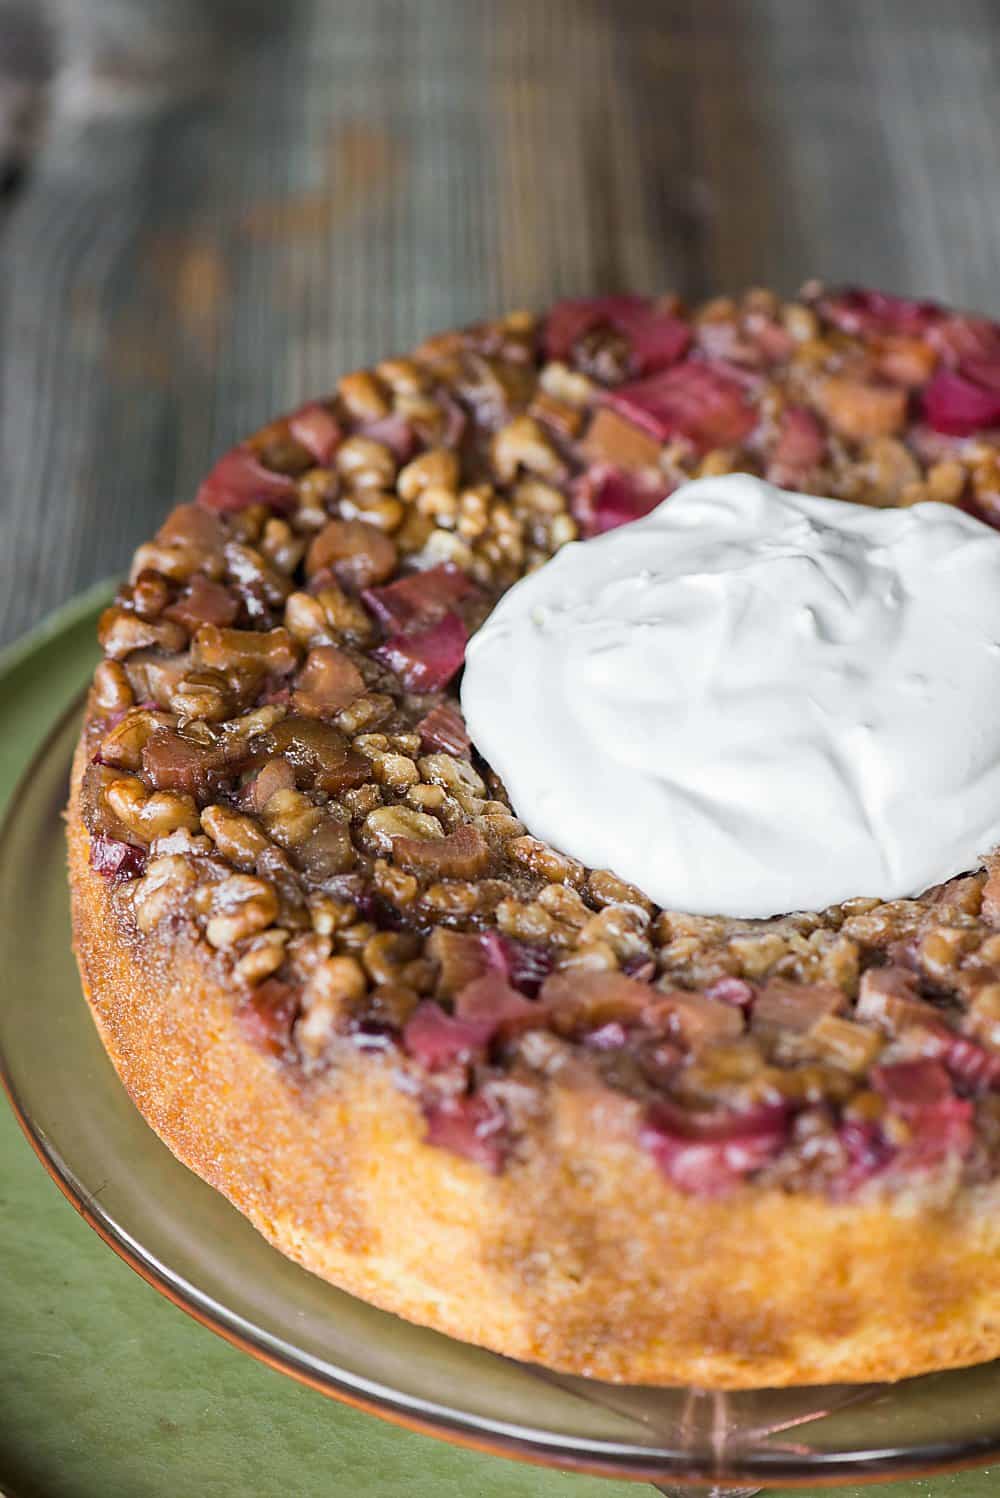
[(232, 202)]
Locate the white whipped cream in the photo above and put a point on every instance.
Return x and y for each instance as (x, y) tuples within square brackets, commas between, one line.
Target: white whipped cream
[(753, 701)]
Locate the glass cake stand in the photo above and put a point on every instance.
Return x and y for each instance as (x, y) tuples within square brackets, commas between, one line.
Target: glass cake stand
[(197, 1250)]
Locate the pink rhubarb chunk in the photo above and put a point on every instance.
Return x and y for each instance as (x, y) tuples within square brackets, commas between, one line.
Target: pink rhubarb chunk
[(967, 1062), (438, 1039), (116, 860), (921, 1092), (913, 1084), (426, 662), (958, 336), (314, 427), (239, 480), (867, 1152), (856, 310), (801, 447), (657, 339), (395, 433), (266, 1016), (604, 498), (444, 728), (958, 404), (731, 991), (471, 1126), (524, 966), (490, 1000), (696, 400), (420, 598), (708, 1154)]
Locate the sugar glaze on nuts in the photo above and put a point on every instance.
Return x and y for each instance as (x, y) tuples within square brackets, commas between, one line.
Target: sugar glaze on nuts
[(279, 769)]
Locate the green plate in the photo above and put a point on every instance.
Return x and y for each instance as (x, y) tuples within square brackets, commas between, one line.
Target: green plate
[(120, 1383)]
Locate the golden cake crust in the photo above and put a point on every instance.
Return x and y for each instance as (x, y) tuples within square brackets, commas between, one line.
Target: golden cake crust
[(580, 1256)]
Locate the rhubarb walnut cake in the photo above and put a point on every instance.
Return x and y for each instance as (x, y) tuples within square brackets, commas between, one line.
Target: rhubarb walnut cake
[(442, 1063)]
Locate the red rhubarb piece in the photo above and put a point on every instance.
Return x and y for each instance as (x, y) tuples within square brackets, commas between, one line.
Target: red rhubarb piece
[(958, 405), (801, 447), (696, 400), (984, 372), (571, 319), (972, 1064), (471, 1126), (524, 965), (939, 1131), (731, 991), (958, 337), (116, 860), (857, 310), (708, 1154), (315, 429), (266, 1016), (444, 728), (867, 1153), (437, 1039), (604, 498), (395, 433), (173, 762), (427, 661), (462, 854), (913, 1084), (656, 338), (239, 480), (420, 598), (774, 342), (922, 1093), (967, 1062), (491, 1000), (586, 1000)]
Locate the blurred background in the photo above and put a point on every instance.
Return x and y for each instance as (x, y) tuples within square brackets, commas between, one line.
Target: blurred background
[(211, 207)]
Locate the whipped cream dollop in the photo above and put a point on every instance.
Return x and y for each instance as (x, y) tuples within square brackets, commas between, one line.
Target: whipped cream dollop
[(753, 701)]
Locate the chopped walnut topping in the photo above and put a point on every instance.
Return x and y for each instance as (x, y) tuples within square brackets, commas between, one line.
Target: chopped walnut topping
[(112, 693), (356, 551), (386, 824), (364, 463), (272, 651), (363, 396), (545, 861), (237, 838), (279, 764), (161, 890), (240, 906), (436, 469), (148, 814), (122, 633)]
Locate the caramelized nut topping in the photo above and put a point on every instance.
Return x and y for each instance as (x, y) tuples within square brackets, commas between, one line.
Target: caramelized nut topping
[(279, 764), (240, 906), (272, 651), (358, 553)]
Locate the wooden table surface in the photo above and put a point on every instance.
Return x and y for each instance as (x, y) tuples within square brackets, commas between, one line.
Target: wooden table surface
[(211, 207)]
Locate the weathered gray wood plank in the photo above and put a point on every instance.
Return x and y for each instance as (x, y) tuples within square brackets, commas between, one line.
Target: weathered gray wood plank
[(234, 201)]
